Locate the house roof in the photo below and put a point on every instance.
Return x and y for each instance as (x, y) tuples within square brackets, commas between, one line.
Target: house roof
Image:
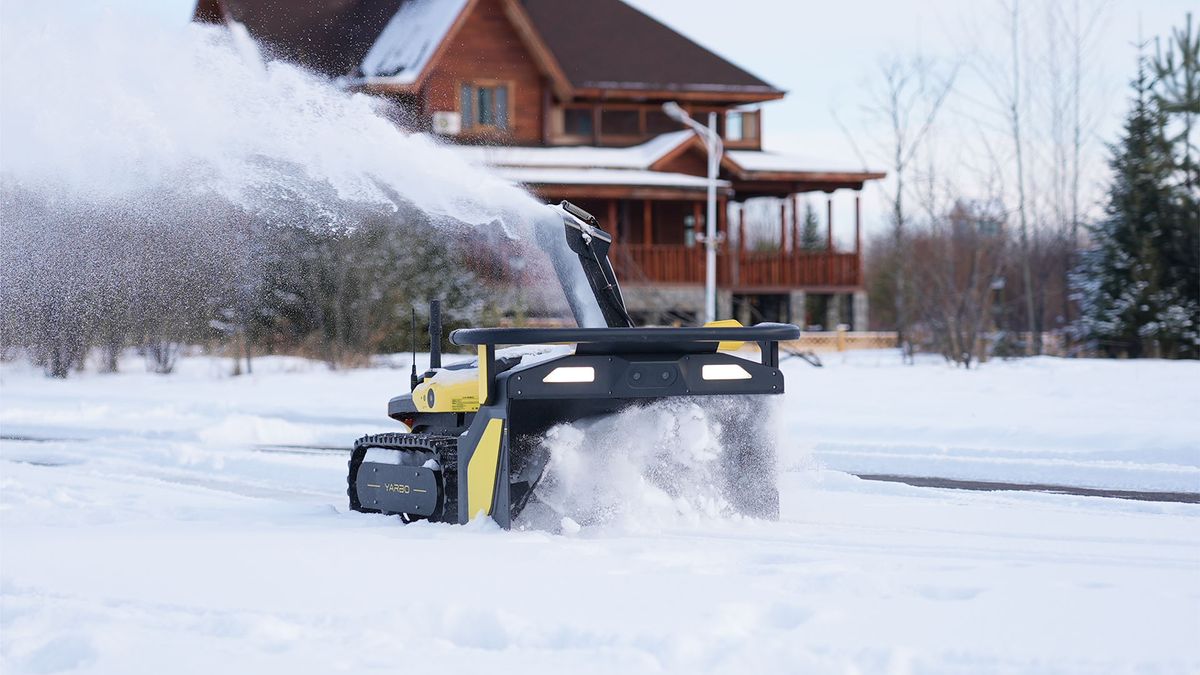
[(635, 165), (766, 161), (328, 36), (589, 165), (580, 157), (607, 44), (602, 176), (594, 44), (408, 41)]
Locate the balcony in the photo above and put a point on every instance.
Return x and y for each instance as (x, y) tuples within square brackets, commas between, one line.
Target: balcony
[(740, 270)]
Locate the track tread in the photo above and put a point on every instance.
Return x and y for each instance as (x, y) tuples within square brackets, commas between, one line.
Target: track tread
[(444, 448)]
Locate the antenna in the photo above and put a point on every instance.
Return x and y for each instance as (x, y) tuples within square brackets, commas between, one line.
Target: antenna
[(413, 377)]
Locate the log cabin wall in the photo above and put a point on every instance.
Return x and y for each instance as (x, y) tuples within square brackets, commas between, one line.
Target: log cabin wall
[(692, 161), (486, 48)]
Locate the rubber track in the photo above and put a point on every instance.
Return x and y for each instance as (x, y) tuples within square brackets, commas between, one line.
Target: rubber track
[(443, 448)]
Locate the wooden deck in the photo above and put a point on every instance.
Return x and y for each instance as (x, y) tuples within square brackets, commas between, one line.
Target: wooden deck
[(683, 265)]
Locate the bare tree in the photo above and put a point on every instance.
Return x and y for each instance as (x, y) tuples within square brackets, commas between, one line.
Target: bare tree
[(911, 94), (1039, 89), (1082, 29), (1014, 108), (1066, 85), (962, 254)]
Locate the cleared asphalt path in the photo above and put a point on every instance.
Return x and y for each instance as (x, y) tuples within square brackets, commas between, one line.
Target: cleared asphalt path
[(916, 481), (989, 486)]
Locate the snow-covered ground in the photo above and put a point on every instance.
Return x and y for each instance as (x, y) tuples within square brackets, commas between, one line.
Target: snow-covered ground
[(176, 531), (1083, 422)]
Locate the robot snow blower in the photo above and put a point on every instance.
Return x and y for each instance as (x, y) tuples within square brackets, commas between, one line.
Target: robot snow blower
[(473, 447)]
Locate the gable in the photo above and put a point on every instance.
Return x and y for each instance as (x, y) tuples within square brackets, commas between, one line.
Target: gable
[(689, 158), (486, 47)]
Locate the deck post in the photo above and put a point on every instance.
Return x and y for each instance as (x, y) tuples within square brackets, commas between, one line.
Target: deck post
[(723, 234), (797, 308), (794, 198), (858, 222), (829, 221), (783, 227), (829, 266), (741, 228), (859, 310), (741, 245), (647, 222)]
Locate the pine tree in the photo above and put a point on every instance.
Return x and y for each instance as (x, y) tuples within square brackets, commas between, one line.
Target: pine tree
[(810, 235), (1176, 90), (1136, 293)]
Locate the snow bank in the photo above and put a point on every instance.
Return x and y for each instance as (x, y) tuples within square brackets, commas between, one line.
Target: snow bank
[(1081, 422)]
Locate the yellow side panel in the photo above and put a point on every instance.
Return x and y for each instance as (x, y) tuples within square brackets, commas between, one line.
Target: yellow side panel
[(481, 470), (483, 375), (462, 396), (726, 323)]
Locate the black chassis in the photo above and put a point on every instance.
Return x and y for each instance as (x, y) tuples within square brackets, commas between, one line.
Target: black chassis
[(631, 365)]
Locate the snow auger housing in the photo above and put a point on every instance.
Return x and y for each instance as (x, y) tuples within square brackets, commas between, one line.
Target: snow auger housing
[(473, 446)]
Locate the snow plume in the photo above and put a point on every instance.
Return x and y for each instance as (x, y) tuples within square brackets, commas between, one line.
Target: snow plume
[(163, 172), (103, 108), (675, 462)]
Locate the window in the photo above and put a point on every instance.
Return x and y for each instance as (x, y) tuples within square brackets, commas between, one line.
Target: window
[(578, 121), (733, 126), (620, 123), (741, 125), (484, 105), (657, 123)]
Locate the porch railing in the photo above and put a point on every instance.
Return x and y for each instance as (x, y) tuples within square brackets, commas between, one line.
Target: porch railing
[(673, 264)]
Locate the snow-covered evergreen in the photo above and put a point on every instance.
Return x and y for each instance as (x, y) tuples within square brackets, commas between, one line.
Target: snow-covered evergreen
[(1138, 286), (810, 235)]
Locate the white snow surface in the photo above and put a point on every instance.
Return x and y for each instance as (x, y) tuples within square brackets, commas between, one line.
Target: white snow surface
[(1080, 422), (578, 157), (176, 526), (543, 176), (766, 160), (628, 166), (404, 48)]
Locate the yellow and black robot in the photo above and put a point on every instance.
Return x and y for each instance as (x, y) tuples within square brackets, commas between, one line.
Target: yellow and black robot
[(471, 448)]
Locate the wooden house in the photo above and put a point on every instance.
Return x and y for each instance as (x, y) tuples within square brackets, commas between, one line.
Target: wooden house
[(565, 97)]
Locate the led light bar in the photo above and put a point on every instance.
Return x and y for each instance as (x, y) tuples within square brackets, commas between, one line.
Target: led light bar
[(724, 371), (572, 374)]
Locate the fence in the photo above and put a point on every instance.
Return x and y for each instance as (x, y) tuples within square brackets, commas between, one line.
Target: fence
[(842, 340)]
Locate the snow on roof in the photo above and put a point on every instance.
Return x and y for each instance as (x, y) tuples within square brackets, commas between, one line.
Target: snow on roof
[(635, 157), (404, 48), (576, 176), (589, 165), (758, 160)]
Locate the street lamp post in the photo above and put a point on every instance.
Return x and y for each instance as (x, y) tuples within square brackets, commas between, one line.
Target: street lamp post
[(712, 143)]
